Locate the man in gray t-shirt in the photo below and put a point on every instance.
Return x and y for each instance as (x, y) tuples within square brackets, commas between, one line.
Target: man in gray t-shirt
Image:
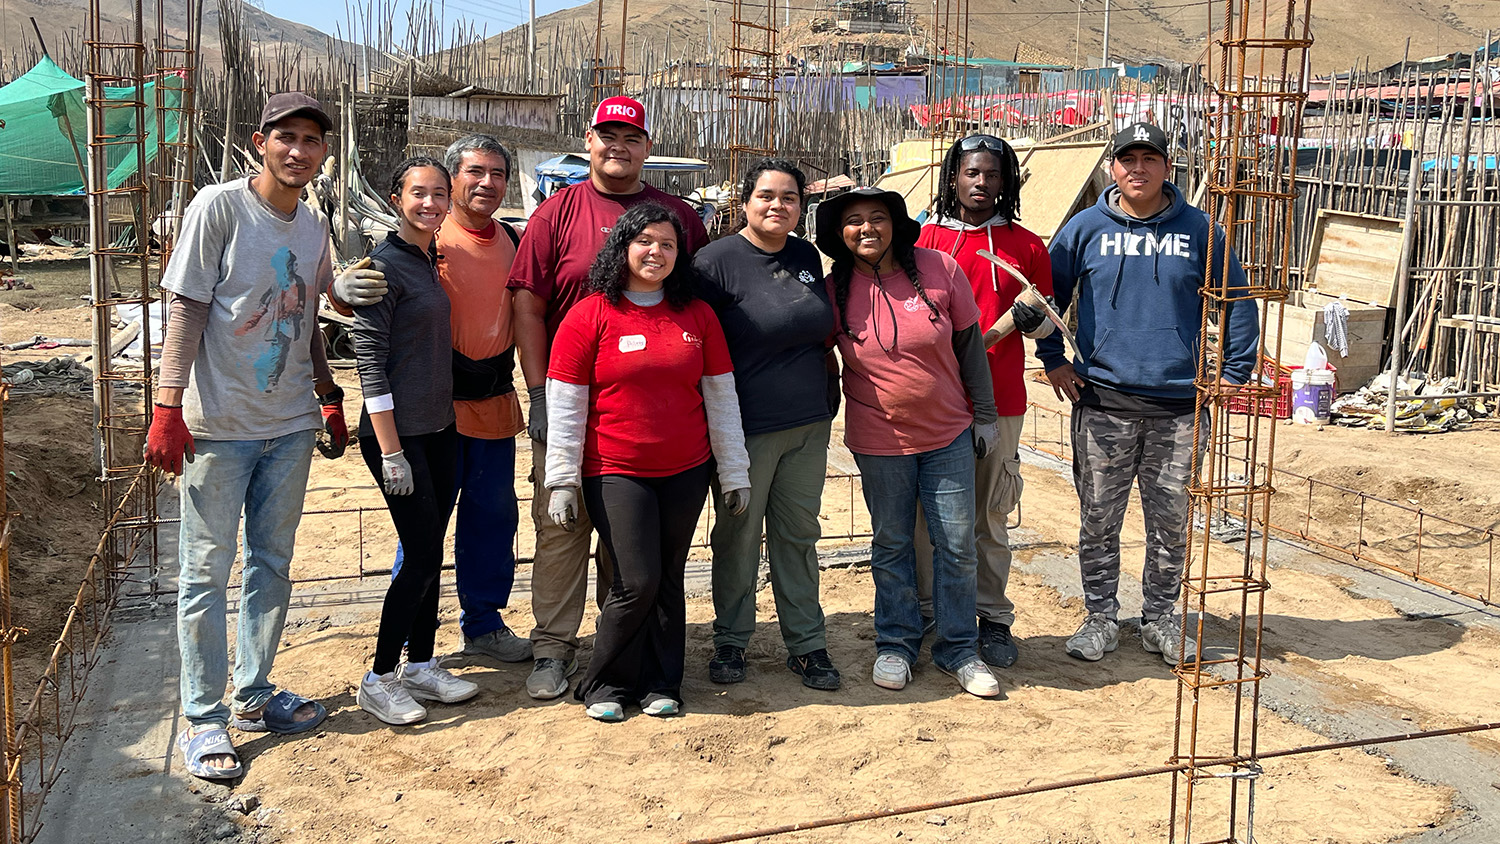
[(242, 376)]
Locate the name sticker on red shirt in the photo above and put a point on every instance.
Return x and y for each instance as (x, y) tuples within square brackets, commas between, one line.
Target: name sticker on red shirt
[(632, 343)]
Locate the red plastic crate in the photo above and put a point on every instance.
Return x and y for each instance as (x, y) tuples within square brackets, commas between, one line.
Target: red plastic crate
[(1279, 407)]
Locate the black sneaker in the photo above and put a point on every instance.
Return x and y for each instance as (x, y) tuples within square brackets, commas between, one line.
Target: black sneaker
[(728, 665), (816, 670), (996, 647)]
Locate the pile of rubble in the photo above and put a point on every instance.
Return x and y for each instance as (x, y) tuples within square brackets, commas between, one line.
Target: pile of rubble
[(1438, 408), (59, 376)]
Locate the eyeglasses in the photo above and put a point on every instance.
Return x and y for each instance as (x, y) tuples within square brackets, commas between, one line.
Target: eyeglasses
[(989, 142)]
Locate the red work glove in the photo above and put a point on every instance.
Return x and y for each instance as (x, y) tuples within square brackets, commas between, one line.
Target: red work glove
[(334, 437), (168, 441)]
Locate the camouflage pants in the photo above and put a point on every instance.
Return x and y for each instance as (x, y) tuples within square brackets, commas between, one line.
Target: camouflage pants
[(1109, 453)]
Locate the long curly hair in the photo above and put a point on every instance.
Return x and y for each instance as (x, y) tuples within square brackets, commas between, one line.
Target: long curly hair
[(610, 272), (1007, 204), (843, 272)]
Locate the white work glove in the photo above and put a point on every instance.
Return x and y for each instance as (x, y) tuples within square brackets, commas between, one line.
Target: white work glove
[(985, 435), (736, 501), (360, 285), (563, 507), (397, 474)]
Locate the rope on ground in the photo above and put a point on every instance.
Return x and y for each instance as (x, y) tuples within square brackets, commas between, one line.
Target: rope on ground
[(1083, 781)]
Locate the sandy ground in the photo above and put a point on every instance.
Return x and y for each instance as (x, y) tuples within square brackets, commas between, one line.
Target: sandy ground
[(506, 768)]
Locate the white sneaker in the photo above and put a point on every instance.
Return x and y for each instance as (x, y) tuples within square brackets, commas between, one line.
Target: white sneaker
[(426, 681), (1164, 636), (1098, 635), (975, 677), (383, 696), (892, 671)]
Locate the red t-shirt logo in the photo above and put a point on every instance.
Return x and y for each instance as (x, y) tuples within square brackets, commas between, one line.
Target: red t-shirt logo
[(691, 339)]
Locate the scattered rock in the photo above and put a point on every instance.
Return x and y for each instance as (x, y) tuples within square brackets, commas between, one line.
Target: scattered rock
[(924, 734), (225, 830), (244, 803), (395, 796), (937, 820)]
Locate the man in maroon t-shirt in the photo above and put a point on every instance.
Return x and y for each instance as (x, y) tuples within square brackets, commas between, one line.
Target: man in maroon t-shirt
[(549, 276)]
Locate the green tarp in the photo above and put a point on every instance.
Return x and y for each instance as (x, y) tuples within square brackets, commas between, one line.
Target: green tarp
[(39, 157)]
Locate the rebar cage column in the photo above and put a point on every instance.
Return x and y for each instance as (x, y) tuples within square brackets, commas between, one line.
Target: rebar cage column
[(1254, 121)]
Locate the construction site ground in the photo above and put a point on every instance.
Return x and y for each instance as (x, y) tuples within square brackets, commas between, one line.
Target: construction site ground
[(1351, 653)]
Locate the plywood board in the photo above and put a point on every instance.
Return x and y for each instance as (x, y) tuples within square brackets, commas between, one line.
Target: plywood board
[(1060, 179), (1356, 255)]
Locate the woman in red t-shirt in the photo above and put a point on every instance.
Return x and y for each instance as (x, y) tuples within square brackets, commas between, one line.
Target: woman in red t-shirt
[(640, 395)]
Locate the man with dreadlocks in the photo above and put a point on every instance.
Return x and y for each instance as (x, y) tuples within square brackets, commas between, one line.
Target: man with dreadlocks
[(978, 204)]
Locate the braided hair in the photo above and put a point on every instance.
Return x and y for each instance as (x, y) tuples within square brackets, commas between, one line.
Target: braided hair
[(1007, 204)]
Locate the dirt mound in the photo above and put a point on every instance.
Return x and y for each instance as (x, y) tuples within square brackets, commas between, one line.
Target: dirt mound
[(51, 482)]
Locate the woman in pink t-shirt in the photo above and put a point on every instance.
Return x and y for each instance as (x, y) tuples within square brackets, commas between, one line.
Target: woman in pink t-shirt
[(919, 406), (640, 394)]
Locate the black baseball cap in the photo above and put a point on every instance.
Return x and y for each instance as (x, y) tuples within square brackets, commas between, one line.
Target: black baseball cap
[(281, 106), (1141, 135)]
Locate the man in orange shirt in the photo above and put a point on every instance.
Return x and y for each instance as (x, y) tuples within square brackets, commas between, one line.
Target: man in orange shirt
[(475, 253)]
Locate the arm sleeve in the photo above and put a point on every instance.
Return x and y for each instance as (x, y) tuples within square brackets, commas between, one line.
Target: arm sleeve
[(567, 416), (187, 319), (974, 369), (321, 370), (1050, 350), (371, 334), (726, 433), (1241, 319)]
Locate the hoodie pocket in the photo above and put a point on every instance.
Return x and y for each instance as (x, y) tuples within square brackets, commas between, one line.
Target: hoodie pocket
[(1152, 357)]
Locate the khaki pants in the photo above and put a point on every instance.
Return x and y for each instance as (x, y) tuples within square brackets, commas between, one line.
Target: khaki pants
[(997, 491), (560, 571)]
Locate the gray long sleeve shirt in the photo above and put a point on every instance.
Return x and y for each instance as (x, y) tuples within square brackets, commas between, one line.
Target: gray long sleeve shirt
[(403, 343)]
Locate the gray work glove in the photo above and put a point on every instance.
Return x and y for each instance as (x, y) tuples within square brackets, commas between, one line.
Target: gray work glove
[(563, 507), (536, 423), (1028, 317), (360, 284), (985, 436), (396, 473), (736, 501)]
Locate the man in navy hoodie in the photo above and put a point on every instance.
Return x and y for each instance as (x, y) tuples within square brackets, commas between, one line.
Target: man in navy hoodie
[(1135, 263)]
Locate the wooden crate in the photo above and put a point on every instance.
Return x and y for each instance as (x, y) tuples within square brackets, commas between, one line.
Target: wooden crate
[(1303, 325)]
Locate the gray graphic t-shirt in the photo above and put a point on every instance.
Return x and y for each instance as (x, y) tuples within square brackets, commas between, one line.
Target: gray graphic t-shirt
[(261, 275)]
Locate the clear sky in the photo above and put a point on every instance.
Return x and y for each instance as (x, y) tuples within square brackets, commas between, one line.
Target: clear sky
[(493, 16)]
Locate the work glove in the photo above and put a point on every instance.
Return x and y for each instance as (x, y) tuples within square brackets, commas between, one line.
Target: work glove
[(168, 441), (334, 437), (563, 507), (360, 284), (1027, 317), (396, 473), (985, 436), (834, 393), (736, 501), (536, 424)]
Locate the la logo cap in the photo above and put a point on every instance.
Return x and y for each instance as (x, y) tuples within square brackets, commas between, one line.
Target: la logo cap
[(1141, 135), (621, 109)]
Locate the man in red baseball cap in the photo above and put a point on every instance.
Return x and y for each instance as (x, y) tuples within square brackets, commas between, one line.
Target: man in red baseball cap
[(549, 276)]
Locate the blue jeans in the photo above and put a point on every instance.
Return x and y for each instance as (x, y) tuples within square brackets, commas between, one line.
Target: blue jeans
[(266, 480), (944, 481), (484, 555)]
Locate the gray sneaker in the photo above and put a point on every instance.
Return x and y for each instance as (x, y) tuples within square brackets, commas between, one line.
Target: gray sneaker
[(1164, 635), (549, 677), (1098, 635), (499, 644)]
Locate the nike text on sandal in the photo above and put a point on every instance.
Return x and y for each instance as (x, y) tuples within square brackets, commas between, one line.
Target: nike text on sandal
[(196, 747), (279, 715)]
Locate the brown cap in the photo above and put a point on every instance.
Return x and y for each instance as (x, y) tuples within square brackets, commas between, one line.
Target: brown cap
[(282, 106)]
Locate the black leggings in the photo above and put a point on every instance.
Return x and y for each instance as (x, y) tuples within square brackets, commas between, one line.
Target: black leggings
[(647, 525), (410, 612)]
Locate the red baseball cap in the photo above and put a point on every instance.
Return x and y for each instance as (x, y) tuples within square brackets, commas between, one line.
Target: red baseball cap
[(621, 110)]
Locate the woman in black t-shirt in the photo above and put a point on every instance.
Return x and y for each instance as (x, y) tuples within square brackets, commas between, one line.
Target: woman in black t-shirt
[(766, 285)]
